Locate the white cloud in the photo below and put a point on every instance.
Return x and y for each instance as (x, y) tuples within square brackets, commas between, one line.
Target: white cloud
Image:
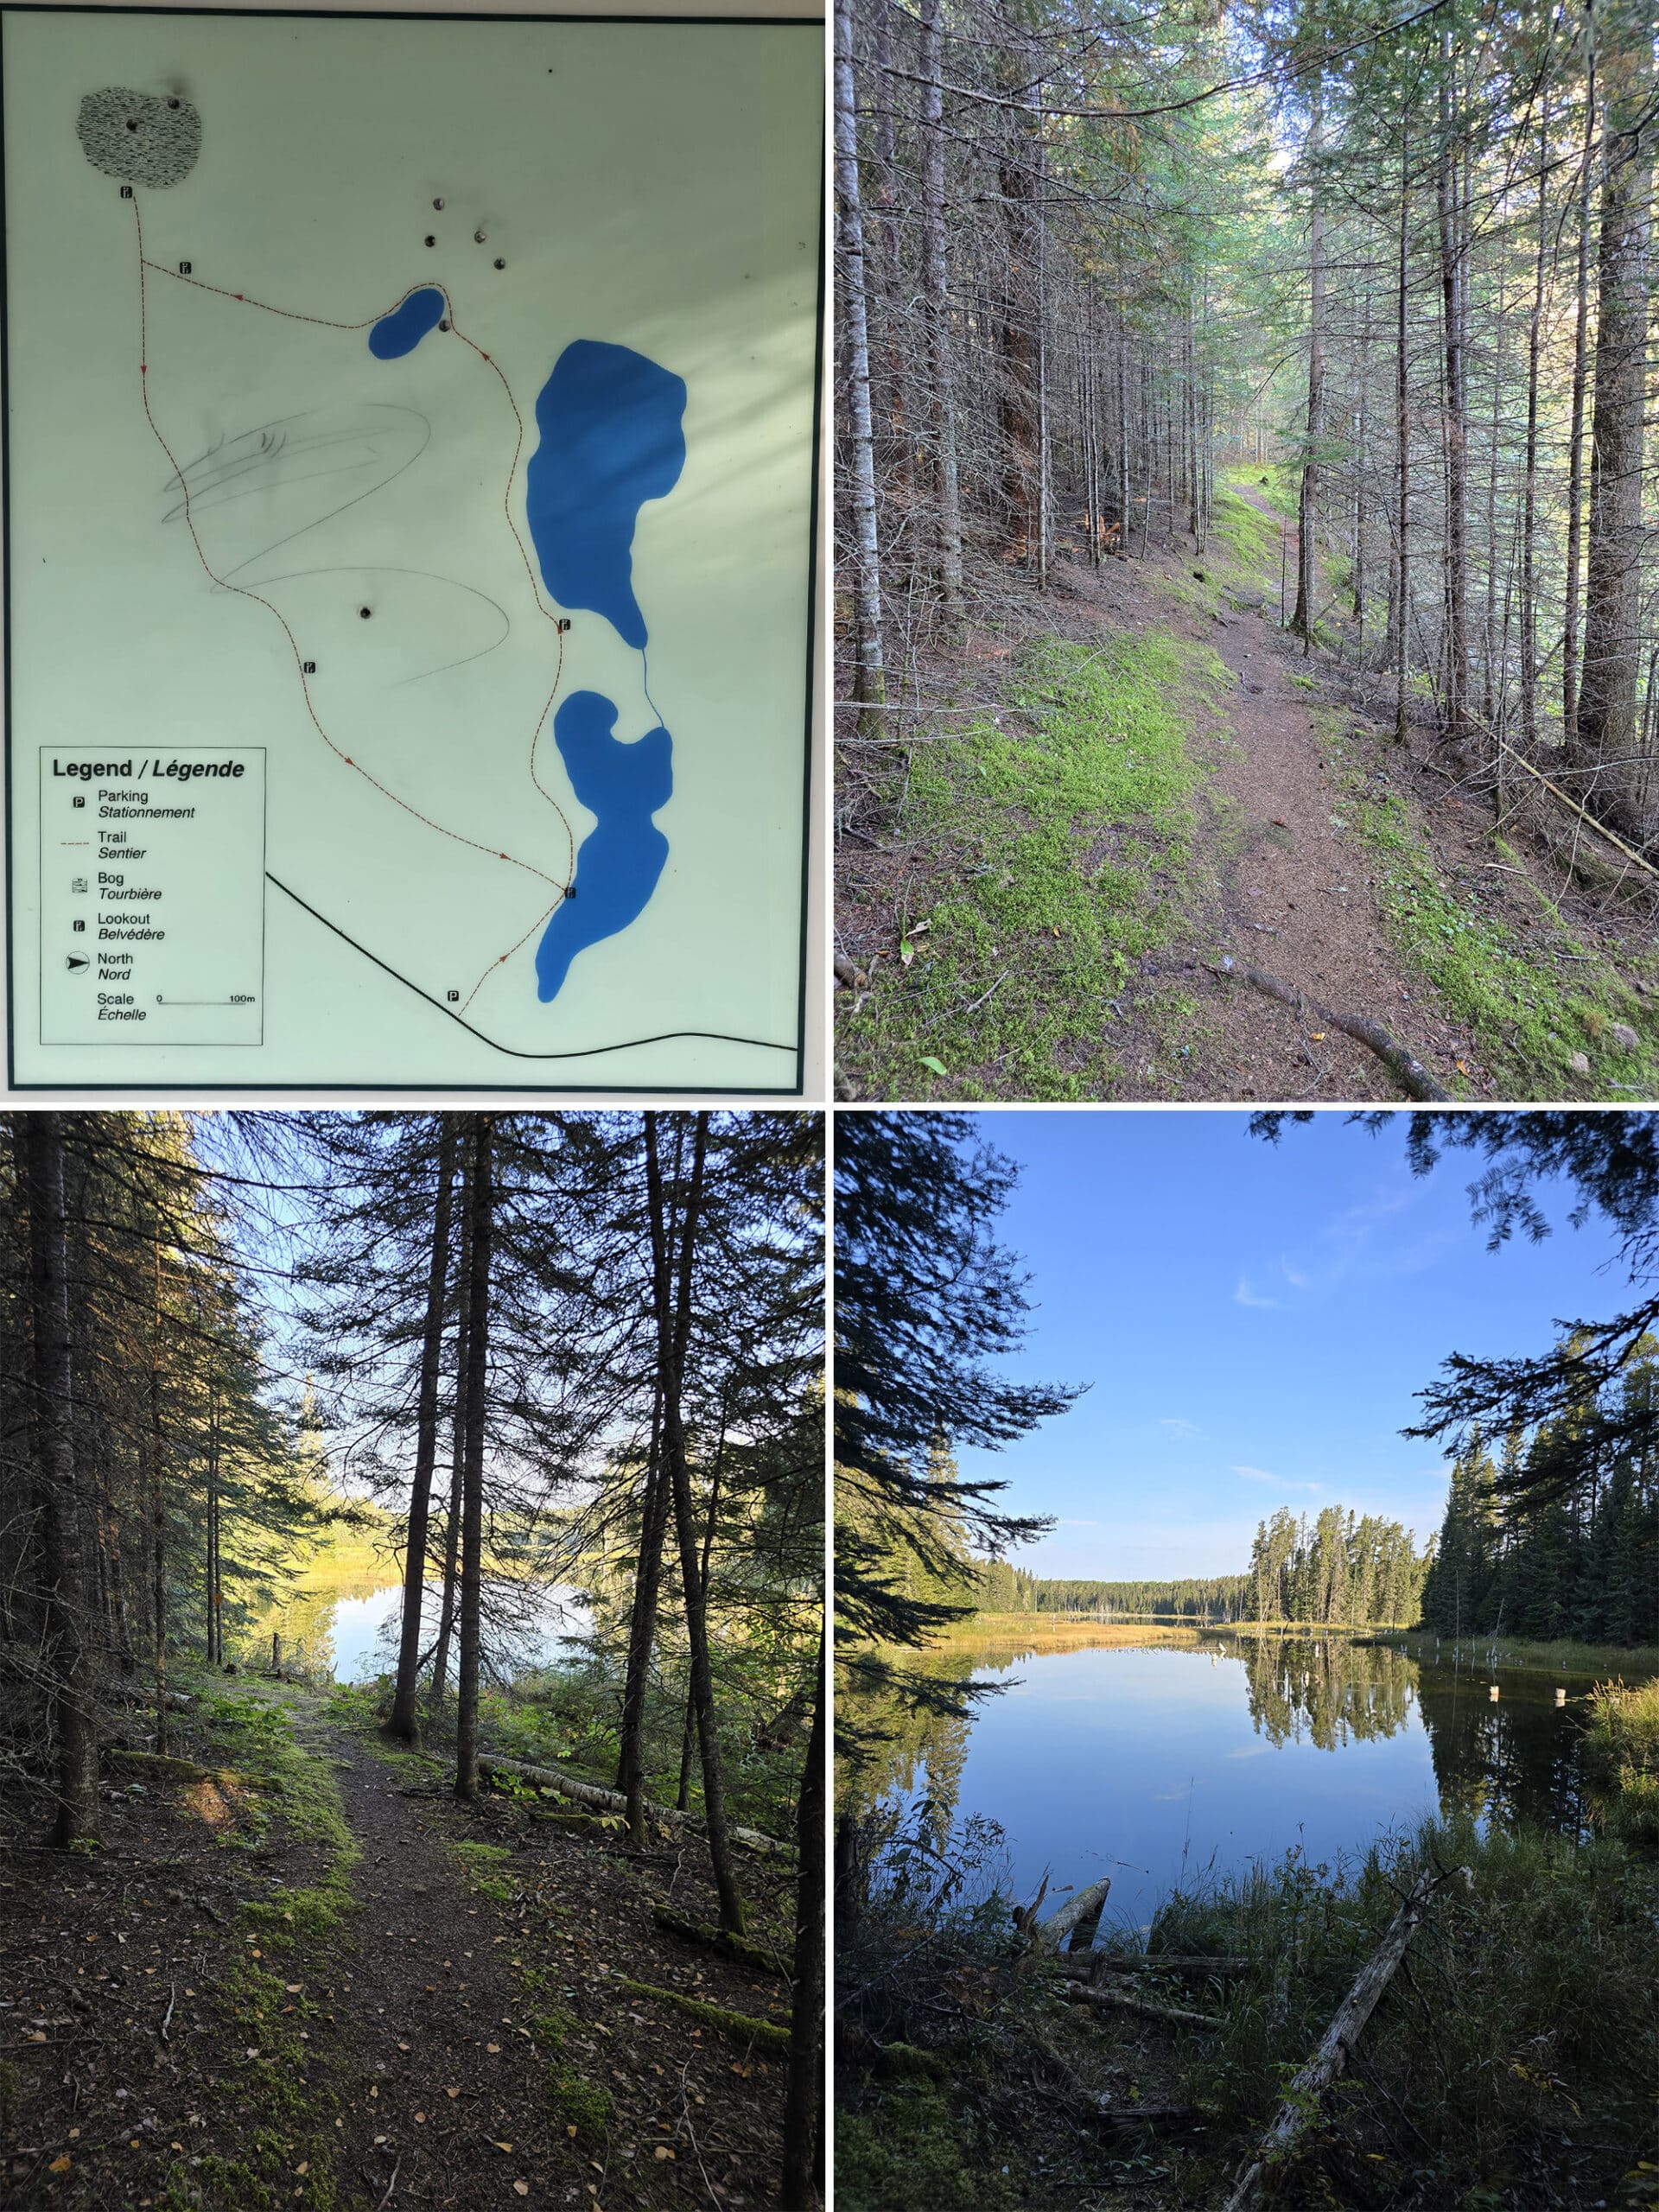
[(1279, 1481), (1178, 1426), (1247, 1294)]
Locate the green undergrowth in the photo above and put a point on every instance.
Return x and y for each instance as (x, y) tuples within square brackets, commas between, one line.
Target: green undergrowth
[(1526, 1018), (1064, 847), (1623, 1740), (1560, 1657), (476, 1861), (912, 2146), (273, 2082), (1517, 2046)]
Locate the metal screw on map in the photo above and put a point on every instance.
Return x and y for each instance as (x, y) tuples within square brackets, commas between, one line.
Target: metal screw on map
[(501, 264), (365, 612), (438, 204), (478, 238), (430, 239)]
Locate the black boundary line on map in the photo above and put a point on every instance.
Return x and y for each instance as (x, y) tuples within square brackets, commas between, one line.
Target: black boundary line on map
[(414, 15), (587, 1052)]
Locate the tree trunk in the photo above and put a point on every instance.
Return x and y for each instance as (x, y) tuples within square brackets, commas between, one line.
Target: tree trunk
[(936, 298), (1402, 433), (803, 2177), (688, 1728), (1576, 434), (870, 678), (673, 1332), (1606, 737), (642, 1626), (480, 1200), (1306, 614), (401, 1723), (1529, 512), (158, 1512), (1456, 411), (67, 1653), (457, 1463)]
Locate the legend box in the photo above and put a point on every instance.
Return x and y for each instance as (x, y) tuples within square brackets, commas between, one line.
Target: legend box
[(152, 895)]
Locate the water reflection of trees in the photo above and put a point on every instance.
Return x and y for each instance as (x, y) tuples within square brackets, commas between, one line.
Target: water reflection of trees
[(1328, 1692), (1515, 1760), (908, 1756)]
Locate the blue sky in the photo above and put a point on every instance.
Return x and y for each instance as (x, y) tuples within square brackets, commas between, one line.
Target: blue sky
[(1254, 1320)]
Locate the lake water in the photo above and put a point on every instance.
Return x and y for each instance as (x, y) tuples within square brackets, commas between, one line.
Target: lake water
[(354, 1635), (1158, 1765)]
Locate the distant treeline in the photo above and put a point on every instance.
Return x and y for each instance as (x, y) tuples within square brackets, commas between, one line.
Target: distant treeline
[(1341, 1568), (1558, 1534), (1005, 1589)]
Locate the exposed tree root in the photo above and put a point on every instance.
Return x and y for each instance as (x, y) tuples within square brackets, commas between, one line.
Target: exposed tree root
[(1406, 1070)]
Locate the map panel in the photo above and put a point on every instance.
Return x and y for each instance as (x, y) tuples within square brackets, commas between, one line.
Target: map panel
[(409, 445)]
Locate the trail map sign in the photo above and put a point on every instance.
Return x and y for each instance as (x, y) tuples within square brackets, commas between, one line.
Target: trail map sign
[(409, 446)]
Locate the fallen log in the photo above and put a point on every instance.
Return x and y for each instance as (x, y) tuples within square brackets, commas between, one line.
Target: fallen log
[(1305, 2092), (1161, 2118), (1405, 1067), (740, 1948), (1089, 1993), (1078, 1917), (1103, 1962), (589, 1793), (145, 1694), (738, 2025)]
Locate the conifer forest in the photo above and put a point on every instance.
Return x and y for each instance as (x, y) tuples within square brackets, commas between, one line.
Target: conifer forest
[(411, 1670), (1247, 507)]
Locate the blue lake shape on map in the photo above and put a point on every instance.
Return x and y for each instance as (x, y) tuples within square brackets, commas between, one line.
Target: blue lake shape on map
[(610, 440), (402, 330), (622, 857)]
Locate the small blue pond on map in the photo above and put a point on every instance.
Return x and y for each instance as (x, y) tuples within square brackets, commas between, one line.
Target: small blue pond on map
[(402, 330), (622, 856)]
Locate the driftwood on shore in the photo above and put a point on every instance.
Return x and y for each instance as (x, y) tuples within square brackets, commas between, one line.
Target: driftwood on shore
[(1078, 1917), (590, 1793), (1124, 2000), (1307, 2090)]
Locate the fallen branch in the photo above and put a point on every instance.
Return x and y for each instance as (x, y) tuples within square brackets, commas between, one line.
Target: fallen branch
[(1337, 2046), (740, 1948), (1405, 1067), (1103, 1962), (1089, 1993), (589, 1793), (1161, 2118), (715, 2016)]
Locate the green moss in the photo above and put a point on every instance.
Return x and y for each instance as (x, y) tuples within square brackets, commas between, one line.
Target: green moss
[(1527, 1021), (551, 2028), (1068, 851), (715, 2016), (575, 2101), (273, 2087), (909, 2148)]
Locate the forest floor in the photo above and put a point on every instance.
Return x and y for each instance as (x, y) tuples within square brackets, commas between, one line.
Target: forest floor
[(1114, 796), (316, 1978)]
